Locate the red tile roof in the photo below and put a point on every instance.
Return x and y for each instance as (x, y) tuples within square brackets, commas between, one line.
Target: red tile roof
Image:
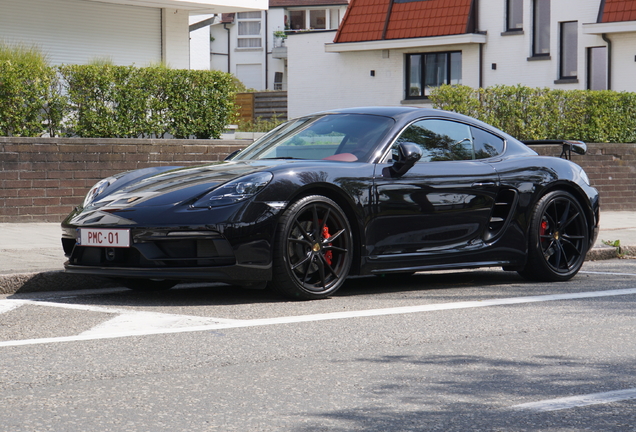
[(369, 20), (618, 10)]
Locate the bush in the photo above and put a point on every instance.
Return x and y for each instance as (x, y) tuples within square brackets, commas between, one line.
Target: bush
[(543, 113), (102, 100), (259, 125), (125, 101), (30, 99)]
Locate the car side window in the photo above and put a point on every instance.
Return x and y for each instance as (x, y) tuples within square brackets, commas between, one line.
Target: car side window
[(440, 140), (486, 144)]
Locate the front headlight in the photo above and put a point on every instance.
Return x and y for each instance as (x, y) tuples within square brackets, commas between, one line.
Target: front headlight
[(96, 190), (235, 190)]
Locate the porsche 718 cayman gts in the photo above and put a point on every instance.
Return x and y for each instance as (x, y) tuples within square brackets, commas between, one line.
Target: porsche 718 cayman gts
[(348, 192)]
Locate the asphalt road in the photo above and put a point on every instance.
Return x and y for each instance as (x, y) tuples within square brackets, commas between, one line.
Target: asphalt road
[(465, 351)]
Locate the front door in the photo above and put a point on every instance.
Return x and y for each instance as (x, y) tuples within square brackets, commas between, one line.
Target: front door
[(440, 206)]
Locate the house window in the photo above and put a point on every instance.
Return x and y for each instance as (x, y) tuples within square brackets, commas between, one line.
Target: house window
[(312, 19), (541, 28), (514, 15), (318, 19), (597, 68), (297, 20), (249, 29), (426, 71), (569, 48)]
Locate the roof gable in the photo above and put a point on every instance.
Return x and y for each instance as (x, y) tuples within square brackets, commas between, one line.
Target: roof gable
[(617, 11), (369, 20)]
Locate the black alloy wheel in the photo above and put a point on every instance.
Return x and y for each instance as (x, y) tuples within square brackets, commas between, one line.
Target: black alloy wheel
[(558, 238), (313, 249)]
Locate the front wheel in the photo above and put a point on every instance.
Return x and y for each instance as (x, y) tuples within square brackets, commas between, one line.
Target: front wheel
[(313, 249), (558, 238)]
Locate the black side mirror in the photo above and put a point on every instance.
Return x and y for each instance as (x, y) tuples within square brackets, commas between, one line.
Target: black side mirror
[(408, 155)]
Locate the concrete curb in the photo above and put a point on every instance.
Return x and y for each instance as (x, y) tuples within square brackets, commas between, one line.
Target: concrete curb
[(58, 280)]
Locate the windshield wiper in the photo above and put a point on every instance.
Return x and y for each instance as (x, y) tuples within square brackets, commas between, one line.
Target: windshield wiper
[(283, 157)]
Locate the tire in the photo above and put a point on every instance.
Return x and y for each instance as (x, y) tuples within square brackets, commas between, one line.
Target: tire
[(313, 249), (558, 238), (148, 285)]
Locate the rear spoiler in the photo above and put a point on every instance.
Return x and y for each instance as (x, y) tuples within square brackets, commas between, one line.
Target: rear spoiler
[(569, 146)]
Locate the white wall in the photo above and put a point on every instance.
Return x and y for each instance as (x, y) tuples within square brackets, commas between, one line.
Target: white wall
[(321, 81), (200, 44), (246, 59), (218, 48), (511, 52), (624, 61), (276, 21), (78, 32), (176, 38)]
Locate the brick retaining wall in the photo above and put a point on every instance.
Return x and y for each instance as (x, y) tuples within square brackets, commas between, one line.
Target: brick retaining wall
[(42, 179), (611, 169)]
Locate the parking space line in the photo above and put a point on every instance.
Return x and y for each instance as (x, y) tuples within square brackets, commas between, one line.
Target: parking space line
[(329, 316), (577, 401)]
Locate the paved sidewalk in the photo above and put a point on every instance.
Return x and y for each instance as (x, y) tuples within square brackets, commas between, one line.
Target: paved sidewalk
[(31, 256)]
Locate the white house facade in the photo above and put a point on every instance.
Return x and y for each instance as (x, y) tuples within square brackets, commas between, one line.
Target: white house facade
[(252, 45), (397, 55), (125, 32)]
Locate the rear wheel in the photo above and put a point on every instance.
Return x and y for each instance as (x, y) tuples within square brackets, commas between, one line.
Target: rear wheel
[(147, 284), (313, 249), (558, 238)]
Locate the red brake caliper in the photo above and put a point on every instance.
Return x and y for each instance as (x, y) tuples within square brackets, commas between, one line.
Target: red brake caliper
[(328, 254), (544, 228)]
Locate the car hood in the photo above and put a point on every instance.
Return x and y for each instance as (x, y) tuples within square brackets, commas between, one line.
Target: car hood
[(174, 186)]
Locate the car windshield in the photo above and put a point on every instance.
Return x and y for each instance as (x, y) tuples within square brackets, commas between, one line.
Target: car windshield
[(344, 137)]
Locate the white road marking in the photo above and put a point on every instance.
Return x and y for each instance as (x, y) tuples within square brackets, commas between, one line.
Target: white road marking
[(608, 273), (7, 305), (577, 401), (147, 321), (229, 324)]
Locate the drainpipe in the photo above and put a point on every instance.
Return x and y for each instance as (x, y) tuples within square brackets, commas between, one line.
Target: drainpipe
[(266, 54), (481, 65), (228, 46), (609, 60)]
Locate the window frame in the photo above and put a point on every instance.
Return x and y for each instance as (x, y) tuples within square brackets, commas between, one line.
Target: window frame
[(245, 37), (591, 68), (541, 28), (422, 77), (568, 54), (331, 18), (511, 7)]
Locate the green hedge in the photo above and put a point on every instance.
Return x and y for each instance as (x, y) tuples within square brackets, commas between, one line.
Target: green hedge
[(30, 99), (106, 101), (126, 101), (541, 113)]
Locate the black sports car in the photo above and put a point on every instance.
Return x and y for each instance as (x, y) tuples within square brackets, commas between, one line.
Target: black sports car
[(349, 192)]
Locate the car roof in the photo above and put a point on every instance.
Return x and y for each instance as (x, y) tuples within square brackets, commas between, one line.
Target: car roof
[(404, 115), (401, 113)]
